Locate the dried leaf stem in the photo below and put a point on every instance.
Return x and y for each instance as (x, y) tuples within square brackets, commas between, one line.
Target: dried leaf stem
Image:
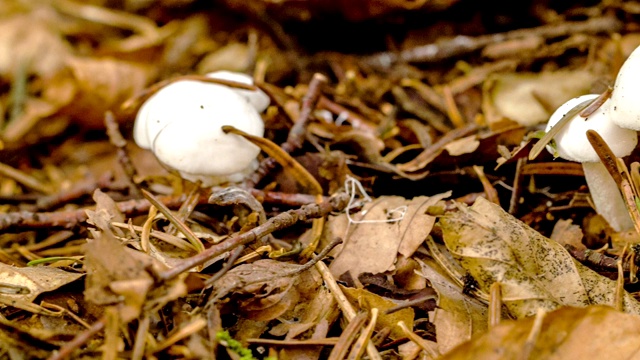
[(348, 336)]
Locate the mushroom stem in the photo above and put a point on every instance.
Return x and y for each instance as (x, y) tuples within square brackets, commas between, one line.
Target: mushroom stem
[(606, 196)]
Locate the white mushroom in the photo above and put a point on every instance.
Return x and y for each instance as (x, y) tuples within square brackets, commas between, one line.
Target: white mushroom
[(572, 144), (257, 98), (182, 122), (625, 103)]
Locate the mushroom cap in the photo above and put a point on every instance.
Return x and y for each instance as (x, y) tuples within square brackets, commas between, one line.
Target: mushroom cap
[(182, 124), (572, 143), (625, 100), (258, 99)]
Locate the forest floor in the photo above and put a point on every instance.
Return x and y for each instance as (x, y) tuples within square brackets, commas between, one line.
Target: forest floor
[(401, 208)]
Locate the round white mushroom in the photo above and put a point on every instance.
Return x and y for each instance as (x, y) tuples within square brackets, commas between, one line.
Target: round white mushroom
[(182, 125), (258, 99), (571, 143)]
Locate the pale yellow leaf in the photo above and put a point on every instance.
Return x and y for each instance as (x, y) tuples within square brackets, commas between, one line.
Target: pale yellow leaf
[(534, 272), (594, 332)]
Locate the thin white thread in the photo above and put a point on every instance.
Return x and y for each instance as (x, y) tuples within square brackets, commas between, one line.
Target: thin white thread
[(353, 187)]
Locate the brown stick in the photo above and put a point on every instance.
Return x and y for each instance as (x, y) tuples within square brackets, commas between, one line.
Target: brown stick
[(278, 222), (461, 45), (26, 220)]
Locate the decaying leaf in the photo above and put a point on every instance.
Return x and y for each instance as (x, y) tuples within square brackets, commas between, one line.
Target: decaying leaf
[(458, 317), (567, 333), (565, 232), (23, 285), (106, 211), (102, 84), (30, 40), (466, 145), (374, 240), (534, 271), (101, 254), (273, 288), (366, 300), (516, 97), (128, 284), (315, 306)]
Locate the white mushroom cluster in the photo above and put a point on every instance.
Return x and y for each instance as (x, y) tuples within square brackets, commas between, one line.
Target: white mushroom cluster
[(616, 121), (182, 125)]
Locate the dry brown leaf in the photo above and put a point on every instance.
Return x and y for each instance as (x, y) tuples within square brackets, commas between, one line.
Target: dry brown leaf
[(594, 332), (30, 41), (466, 145), (27, 283), (366, 300), (102, 84), (106, 211), (310, 313), (267, 300), (232, 57), (134, 293), (567, 233), (102, 255), (458, 317), (534, 271), (373, 245), (512, 96)]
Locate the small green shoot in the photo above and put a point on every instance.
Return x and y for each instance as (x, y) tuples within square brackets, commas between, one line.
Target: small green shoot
[(51, 260), (234, 345)]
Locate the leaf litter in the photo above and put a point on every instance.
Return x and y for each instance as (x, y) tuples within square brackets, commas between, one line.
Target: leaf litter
[(377, 224)]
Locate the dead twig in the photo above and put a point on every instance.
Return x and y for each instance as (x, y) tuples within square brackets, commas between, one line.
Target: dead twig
[(295, 139), (116, 138), (461, 45), (278, 222), (67, 219)]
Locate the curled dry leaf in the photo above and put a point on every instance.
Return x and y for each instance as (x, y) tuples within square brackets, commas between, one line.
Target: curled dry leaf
[(567, 333), (374, 240), (316, 305), (105, 212), (534, 272), (83, 90), (25, 284)]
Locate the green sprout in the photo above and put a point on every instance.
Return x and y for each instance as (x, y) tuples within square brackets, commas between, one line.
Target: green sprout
[(234, 345)]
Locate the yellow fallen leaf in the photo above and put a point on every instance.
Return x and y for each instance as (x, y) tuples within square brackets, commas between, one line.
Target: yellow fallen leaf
[(535, 272), (594, 332)]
